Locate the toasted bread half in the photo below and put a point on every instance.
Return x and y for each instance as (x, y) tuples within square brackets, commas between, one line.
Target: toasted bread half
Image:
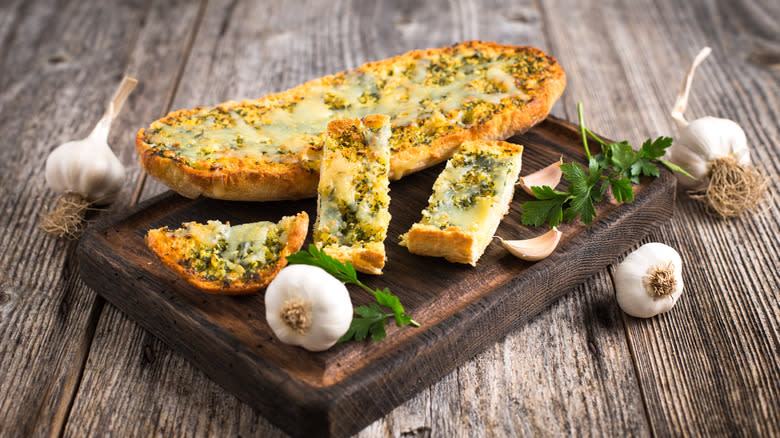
[(221, 259), (270, 148), (353, 201), (469, 198)]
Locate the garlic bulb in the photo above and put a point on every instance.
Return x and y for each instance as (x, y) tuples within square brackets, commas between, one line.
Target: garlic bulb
[(536, 248), (306, 306), (84, 172), (649, 281), (88, 167), (715, 152)]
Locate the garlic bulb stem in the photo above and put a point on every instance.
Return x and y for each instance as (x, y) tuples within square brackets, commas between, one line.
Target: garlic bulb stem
[(120, 96), (682, 98)]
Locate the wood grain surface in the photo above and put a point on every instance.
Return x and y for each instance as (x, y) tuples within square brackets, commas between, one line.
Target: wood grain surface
[(72, 366)]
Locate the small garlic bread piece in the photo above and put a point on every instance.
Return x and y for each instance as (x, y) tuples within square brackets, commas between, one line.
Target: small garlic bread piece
[(469, 198), (223, 259), (353, 201)]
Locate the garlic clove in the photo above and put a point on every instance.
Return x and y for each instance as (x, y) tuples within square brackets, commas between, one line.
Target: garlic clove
[(536, 248), (649, 280), (549, 176)]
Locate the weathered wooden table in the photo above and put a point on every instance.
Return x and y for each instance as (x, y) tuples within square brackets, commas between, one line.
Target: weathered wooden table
[(72, 365)]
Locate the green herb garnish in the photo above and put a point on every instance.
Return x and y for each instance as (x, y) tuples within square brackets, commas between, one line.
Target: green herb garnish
[(617, 167), (372, 317)]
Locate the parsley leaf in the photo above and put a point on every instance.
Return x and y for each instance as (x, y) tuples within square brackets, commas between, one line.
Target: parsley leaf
[(372, 321), (548, 209), (655, 149), (372, 317), (616, 168)]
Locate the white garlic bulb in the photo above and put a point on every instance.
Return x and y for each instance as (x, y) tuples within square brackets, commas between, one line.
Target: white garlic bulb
[(85, 172), (306, 306), (649, 281), (704, 140), (87, 167)]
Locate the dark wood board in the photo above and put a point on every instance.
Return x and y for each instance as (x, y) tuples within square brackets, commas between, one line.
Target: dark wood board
[(462, 309)]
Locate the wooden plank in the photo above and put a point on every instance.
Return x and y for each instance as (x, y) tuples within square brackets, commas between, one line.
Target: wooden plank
[(340, 390), (710, 366), (54, 88)]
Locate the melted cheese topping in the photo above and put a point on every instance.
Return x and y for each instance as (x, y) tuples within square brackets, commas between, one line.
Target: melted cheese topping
[(469, 193), (425, 98), (218, 251), (353, 201)]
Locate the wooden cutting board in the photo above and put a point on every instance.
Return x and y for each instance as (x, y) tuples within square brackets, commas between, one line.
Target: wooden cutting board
[(462, 309)]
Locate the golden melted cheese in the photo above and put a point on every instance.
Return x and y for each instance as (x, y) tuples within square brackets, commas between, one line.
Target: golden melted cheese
[(425, 97), (218, 251), (353, 201)]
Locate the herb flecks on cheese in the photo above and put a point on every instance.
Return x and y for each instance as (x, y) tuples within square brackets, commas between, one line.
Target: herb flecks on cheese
[(425, 98), (220, 252), (470, 196), (222, 259), (353, 202)]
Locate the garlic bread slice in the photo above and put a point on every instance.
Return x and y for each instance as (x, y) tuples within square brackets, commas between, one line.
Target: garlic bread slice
[(353, 201), (469, 198), (223, 259)]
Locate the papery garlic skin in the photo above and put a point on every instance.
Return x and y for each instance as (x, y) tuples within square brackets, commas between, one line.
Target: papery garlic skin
[(325, 299), (703, 141), (631, 289), (87, 167)]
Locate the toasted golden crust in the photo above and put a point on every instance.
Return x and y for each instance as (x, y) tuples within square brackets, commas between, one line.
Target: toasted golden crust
[(369, 259), (451, 243), (296, 177), (171, 252)]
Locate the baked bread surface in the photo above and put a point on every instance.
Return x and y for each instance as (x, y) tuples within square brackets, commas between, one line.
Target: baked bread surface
[(353, 201), (270, 148), (221, 259), (470, 196)]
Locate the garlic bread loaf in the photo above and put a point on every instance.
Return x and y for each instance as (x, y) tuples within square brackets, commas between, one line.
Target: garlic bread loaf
[(353, 201), (270, 148), (223, 259), (470, 196)]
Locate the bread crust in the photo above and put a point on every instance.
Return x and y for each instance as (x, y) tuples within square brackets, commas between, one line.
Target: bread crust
[(298, 179), (157, 241)]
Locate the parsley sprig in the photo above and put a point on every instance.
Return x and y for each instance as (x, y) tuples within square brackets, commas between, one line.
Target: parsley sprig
[(372, 317), (618, 167)]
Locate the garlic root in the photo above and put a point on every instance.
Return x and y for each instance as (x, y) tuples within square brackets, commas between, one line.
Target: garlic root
[(733, 188), (533, 249), (548, 176), (66, 220)]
